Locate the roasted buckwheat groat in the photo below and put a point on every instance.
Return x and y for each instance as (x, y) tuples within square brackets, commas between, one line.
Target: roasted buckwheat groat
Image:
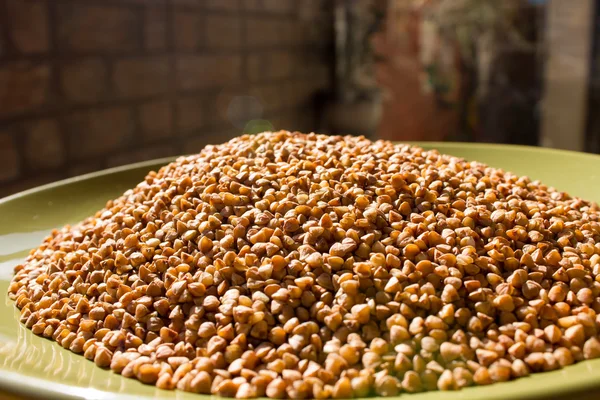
[(306, 266)]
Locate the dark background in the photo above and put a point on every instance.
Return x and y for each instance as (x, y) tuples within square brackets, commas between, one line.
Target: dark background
[(91, 84)]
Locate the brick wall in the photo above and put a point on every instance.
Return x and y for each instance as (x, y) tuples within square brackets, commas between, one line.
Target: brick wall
[(90, 84)]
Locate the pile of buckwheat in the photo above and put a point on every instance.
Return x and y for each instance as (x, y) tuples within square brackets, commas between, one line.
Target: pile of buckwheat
[(307, 266)]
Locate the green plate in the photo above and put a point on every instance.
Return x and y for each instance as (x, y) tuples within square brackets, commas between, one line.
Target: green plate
[(31, 366)]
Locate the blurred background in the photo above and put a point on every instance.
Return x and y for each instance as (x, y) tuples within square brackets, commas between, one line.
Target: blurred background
[(91, 84)]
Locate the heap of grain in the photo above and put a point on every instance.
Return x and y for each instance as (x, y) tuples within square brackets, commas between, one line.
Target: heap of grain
[(301, 266)]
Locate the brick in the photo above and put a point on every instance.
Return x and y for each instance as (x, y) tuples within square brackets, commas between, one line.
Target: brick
[(148, 2), (194, 72), (311, 10), (252, 5), (279, 6), (28, 24), (143, 154), (261, 31), (31, 182), (155, 120), (190, 113), (44, 146), (223, 31), (155, 28), (295, 34), (9, 158), (85, 81), (270, 6), (220, 5), (229, 5), (254, 67), (314, 26), (99, 132), (142, 76), (92, 28), (196, 4), (84, 168), (189, 30), (272, 65), (24, 86)]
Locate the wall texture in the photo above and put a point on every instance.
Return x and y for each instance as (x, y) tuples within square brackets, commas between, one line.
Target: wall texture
[(90, 84)]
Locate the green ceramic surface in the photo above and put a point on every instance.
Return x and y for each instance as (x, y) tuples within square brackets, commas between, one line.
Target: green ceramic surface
[(33, 367)]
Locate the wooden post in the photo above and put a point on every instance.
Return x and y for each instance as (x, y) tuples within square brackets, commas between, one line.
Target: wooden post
[(568, 50)]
